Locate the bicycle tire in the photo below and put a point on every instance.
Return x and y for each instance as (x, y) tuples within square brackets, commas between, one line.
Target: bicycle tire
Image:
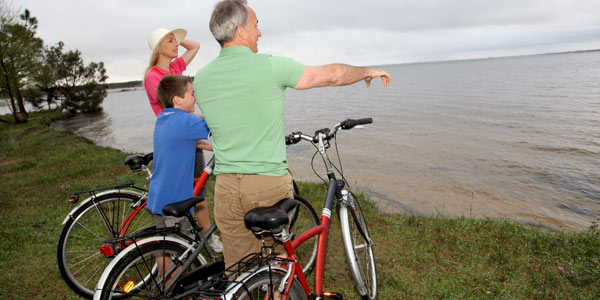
[(79, 259), (135, 267), (358, 247), (303, 218), (260, 284)]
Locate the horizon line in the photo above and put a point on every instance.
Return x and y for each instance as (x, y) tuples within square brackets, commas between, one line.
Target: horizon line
[(441, 61)]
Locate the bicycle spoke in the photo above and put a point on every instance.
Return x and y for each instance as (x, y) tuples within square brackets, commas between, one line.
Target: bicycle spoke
[(158, 276), (97, 239), (94, 272), (85, 260), (78, 222), (136, 221)]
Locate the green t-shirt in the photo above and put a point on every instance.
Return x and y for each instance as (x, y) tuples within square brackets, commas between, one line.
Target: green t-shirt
[(240, 94)]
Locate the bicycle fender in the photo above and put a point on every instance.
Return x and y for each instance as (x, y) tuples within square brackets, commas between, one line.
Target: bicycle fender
[(240, 280), (131, 248), (88, 199)]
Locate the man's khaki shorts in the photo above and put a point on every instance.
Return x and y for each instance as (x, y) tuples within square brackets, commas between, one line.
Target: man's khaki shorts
[(236, 194)]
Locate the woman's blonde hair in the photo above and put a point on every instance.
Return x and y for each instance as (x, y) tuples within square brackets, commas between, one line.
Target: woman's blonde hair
[(152, 63)]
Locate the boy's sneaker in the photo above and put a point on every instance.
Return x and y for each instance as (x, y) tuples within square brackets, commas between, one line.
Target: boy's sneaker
[(214, 242)]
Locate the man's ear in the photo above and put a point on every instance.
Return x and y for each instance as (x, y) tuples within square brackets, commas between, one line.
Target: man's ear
[(241, 32)]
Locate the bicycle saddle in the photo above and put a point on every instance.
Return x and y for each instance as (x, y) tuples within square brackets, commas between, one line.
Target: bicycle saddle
[(271, 218), (135, 162), (179, 209)]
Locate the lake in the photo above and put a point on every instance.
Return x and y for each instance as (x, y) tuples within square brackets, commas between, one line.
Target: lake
[(515, 138)]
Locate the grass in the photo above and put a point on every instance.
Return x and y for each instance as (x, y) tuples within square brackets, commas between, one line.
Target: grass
[(417, 257)]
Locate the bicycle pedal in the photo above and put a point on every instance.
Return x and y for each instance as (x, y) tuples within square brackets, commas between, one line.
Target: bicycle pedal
[(332, 295)]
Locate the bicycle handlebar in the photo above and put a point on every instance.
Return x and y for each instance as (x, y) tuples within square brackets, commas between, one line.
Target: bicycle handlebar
[(350, 123), (347, 124)]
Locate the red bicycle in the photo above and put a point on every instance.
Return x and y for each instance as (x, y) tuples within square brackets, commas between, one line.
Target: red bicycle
[(284, 278)]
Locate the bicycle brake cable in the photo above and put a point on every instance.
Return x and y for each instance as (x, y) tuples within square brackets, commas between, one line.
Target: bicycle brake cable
[(341, 169), (312, 165), (337, 152)]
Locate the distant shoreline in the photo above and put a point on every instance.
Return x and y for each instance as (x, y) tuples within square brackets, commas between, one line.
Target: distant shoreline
[(491, 57)]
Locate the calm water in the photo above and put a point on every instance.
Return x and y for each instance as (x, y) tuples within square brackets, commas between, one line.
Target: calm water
[(515, 138)]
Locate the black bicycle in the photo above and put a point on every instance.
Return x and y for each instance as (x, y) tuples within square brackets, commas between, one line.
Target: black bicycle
[(135, 273)]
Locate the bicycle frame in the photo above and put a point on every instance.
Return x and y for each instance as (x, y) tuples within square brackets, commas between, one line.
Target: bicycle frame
[(335, 195), (199, 184), (334, 189)]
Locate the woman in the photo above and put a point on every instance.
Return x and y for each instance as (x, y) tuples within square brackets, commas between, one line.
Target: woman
[(164, 60)]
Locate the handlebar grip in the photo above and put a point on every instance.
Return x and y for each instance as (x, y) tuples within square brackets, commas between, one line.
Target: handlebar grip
[(292, 139), (289, 140), (350, 123)]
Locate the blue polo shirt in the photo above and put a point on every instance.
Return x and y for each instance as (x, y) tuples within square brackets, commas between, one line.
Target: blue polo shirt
[(175, 136)]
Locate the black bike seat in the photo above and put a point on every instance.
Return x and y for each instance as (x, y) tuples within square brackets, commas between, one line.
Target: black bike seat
[(271, 218), (135, 162), (179, 209)]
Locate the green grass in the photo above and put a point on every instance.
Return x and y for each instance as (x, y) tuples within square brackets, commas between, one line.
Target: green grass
[(417, 257)]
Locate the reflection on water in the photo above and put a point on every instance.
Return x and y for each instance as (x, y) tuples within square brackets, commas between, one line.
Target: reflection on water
[(515, 138), (96, 127), (126, 122)]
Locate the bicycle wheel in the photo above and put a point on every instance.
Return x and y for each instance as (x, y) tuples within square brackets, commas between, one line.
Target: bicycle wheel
[(358, 247), (302, 218), (79, 258), (136, 276), (263, 284)]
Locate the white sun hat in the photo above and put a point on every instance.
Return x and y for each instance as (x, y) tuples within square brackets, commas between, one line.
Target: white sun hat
[(159, 34)]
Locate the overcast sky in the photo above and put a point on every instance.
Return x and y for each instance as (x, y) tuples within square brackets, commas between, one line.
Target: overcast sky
[(317, 32)]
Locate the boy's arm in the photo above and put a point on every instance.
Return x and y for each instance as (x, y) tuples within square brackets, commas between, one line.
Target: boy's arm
[(199, 131), (204, 145)]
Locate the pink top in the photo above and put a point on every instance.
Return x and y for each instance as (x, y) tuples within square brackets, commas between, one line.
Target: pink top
[(153, 77)]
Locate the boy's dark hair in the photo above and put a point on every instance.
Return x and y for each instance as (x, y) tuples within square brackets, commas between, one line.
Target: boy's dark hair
[(171, 85)]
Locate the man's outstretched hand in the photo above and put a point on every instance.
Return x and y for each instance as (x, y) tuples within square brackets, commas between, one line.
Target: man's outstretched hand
[(374, 73)]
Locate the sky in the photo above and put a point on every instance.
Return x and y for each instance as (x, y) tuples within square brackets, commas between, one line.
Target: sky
[(316, 32)]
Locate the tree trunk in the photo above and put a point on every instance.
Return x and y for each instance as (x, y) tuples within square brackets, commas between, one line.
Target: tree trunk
[(65, 103), (49, 100), (20, 101), (14, 107), (12, 98)]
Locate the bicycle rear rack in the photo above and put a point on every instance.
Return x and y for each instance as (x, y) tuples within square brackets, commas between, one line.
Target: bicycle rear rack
[(75, 197)]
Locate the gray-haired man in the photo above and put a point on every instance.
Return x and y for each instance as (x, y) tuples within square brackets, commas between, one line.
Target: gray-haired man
[(240, 94)]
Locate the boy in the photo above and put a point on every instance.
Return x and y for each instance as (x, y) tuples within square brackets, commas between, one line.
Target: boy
[(176, 133)]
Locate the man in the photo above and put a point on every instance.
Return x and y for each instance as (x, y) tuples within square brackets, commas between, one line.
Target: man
[(240, 94)]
